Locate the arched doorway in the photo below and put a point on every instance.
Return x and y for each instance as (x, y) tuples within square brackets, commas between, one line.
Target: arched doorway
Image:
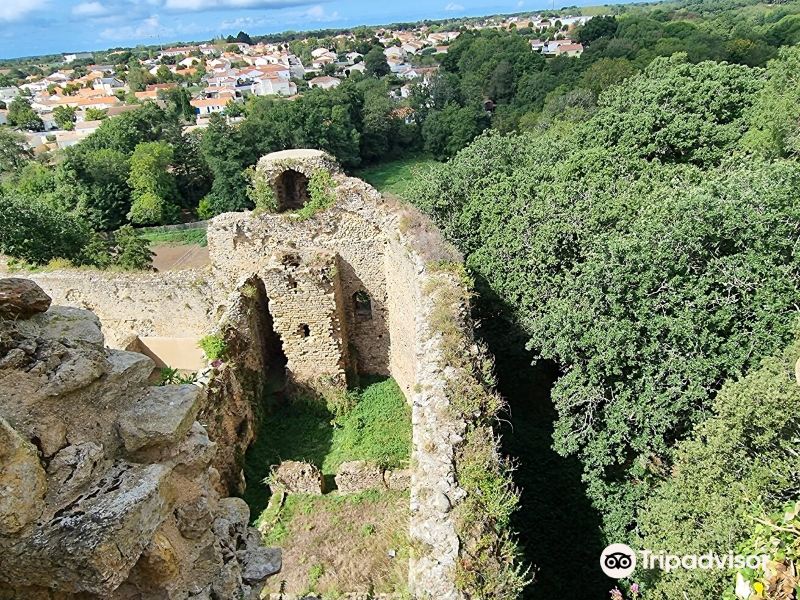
[(291, 188)]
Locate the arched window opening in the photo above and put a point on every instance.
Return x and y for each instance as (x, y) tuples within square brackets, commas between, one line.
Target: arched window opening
[(304, 330), (291, 189), (362, 305)]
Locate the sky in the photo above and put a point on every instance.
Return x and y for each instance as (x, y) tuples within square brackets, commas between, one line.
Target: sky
[(34, 27)]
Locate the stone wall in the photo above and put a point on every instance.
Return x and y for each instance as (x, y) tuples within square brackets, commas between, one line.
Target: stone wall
[(108, 486), (130, 305), (307, 273)]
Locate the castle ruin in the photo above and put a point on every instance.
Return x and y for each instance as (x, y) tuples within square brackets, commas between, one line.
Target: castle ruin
[(352, 289)]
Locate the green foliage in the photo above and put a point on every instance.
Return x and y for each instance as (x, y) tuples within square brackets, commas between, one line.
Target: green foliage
[(170, 376), (65, 117), (375, 62), (260, 192), (377, 428), (213, 346), (131, 251), (677, 112), (322, 194), (37, 232), (736, 468), (14, 152), (152, 184), (21, 115), (649, 283)]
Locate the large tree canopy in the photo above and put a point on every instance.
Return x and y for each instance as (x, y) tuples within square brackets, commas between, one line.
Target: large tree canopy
[(649, 276)]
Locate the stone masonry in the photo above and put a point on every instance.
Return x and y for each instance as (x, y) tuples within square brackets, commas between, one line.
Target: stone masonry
[(106, 484), (346, 292)]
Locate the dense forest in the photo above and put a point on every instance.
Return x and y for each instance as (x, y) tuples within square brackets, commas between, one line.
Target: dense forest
[(631, 215), (650, 250)]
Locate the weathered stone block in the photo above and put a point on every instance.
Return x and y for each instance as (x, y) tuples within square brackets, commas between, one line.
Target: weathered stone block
[(22, 481), (162, 417), (398, 480), (21, 298), (358, 476), (298, 478)]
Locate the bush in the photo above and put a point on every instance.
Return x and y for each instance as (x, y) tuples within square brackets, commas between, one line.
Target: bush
[(738, 465), (151, 209), (214, 347), (132, 252), (37, 232), (322, 193)]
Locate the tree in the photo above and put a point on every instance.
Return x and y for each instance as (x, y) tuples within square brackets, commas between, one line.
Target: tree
[(14, 151), (131, 251), (21, 115), (36, 232), (95, 114), (447, 131), (136, 76), (65, 117), (737, 465), (243, 38), (153, 186), (376, 63), (595, 28), (639, 278), (607, 72), (676, 111)]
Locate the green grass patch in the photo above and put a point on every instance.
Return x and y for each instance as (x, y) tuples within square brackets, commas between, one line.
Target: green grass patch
[(177, 237), (378, 429), (394, 177)]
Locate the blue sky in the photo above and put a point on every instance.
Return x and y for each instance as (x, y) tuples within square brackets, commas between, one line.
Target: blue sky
[(30, 27)]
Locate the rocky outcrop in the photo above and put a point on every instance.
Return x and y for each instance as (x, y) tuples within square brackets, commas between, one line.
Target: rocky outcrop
[(21, 298), (106, 483), (297, 478)]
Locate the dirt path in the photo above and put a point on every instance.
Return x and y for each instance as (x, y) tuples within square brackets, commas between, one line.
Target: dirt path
[(170, 257)]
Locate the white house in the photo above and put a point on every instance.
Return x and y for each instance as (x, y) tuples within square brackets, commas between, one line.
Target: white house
[(325, 82), (274, 86)]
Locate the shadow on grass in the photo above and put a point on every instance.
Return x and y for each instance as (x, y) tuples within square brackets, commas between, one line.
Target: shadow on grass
[(378, 429), (558, 529)]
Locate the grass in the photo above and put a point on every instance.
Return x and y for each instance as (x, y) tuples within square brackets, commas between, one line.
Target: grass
[(394, 177), (339, 543), (378, 429), (178, 237)]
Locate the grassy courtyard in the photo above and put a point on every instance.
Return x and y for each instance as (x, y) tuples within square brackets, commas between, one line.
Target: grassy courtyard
[(335, 543), (393, 177)]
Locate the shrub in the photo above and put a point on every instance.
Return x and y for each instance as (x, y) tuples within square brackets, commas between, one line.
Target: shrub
[(151, 209), (132, 252), (213, 346), (37, 232), (260, 192), (738, 465), (322, 193)]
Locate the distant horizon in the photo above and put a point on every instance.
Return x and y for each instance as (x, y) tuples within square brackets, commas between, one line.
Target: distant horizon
[(101, 25)]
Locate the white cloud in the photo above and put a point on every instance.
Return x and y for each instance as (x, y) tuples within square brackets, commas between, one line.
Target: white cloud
[(317, 13), (13, 10), (89, 9), (199, 5), (453, 7), (521, 3), (150, 27)]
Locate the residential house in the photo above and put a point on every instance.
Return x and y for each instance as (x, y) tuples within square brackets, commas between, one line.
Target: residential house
[(178, 51), (395, 53), (207, 106), (569, 50), (7, 94), (70, 58), (325, 82)]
